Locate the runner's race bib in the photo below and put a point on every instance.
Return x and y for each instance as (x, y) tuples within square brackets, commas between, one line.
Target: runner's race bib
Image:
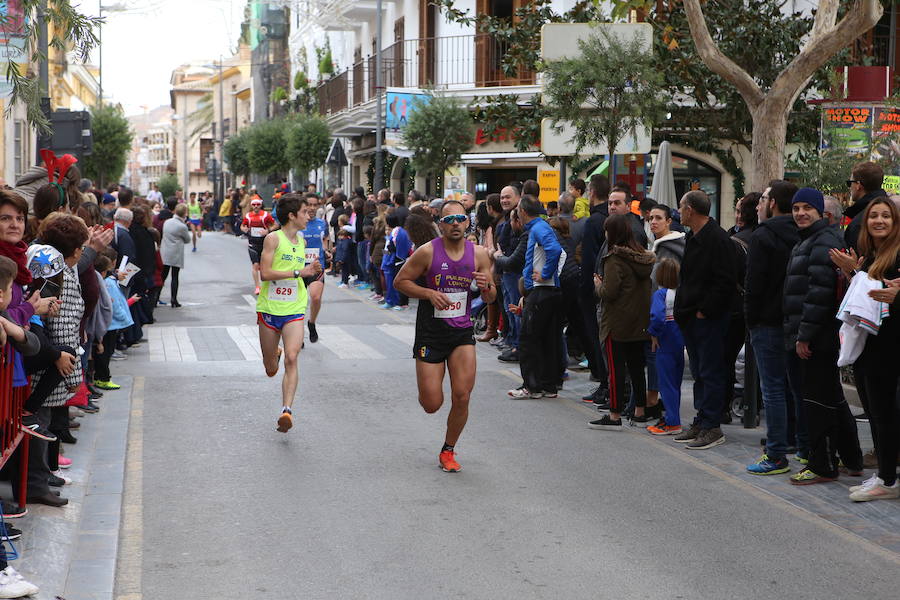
[(283, 290), (312, 255), (457, 308), (258, 232)]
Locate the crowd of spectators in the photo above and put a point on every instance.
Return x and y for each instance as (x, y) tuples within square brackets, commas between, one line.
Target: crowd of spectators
[(80, 275)]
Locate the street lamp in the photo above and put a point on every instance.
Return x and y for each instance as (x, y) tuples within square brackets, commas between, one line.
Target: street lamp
[(220, 177), (110, 8)]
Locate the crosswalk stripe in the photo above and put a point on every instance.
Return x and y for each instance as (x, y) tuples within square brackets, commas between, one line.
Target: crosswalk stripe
[(247, 348), (250, 300), (404, 333), (345, 345), (185, 347), (157, 352)]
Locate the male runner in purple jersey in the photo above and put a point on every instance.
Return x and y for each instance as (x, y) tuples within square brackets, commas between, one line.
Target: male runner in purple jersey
[(454, 271)]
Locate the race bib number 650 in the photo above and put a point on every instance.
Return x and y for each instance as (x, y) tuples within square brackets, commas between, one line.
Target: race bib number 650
[(283, 290), (457, 308)]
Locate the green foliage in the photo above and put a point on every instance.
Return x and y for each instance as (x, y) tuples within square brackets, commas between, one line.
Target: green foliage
[(112, 141), (279, 95), (610, 90), (301, 81), (826, 171), (237, 154), (506, 115), (266, 148), (308, 142), (202, 117), (69, 30), (759, 37), (326, 64), (438, 133), (168, 185)]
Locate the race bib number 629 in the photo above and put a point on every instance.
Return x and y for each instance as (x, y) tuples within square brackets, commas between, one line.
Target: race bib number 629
[(283, 290)]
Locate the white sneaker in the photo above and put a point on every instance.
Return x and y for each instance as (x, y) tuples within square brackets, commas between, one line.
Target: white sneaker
[(867, 483), (66, 480), (877, 491), (13, 585), (521, 393)]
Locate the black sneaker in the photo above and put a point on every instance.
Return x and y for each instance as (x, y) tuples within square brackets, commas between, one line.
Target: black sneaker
[(688, 435), (707, 438), (313, 334), (31, 426), (600, 394), (90, 407), (11, 510), (644, 418), (511, 356), (606, 422), (8, 532)]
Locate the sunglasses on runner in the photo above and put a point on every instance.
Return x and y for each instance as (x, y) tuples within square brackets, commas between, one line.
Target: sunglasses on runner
[(450, 219)]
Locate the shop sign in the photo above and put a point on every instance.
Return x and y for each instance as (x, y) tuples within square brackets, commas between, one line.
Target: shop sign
[(549, 182), (848, 127)]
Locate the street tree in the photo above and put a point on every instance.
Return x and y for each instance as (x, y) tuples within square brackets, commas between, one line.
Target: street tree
[(237, 153), (308, 142), (69, 31), (112, 137), (438, 132), (771, 106), (266, 145), (611, 90), (168, 185)]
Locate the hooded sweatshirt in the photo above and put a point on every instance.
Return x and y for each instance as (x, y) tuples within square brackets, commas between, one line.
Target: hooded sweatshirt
[(670, 246), (768, 253), (625, 294)]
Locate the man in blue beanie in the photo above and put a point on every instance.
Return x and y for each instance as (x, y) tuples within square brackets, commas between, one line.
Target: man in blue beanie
[(811, 339)]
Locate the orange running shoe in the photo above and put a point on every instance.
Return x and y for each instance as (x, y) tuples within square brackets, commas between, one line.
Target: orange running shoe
[(277, 362), (285, 422), (448, 462), (662, 429)]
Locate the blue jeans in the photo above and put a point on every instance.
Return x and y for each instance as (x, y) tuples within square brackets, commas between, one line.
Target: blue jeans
[(511, 296), (670, 372), (362, 274), (391, 295), (705, 343), (768, 347)]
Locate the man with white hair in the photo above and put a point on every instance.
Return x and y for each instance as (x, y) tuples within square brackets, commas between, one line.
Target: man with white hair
[(122, 241), (833, 211)]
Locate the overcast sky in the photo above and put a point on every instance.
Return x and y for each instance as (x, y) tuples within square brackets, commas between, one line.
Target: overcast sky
[(143, 45)]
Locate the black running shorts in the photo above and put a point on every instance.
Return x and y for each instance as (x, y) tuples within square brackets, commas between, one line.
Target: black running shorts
[(435, 348)]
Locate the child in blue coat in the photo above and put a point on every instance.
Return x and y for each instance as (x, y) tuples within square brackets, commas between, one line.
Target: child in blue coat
[(669, 346), (121, 320)]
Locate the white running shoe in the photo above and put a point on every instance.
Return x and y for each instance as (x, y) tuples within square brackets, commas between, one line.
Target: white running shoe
[(876, 491), (13, 585), (867, 483)]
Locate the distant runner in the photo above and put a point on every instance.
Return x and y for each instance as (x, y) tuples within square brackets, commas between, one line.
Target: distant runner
[(195, 219), (281, 304), (257, 224), (454, 271), (314, 235)]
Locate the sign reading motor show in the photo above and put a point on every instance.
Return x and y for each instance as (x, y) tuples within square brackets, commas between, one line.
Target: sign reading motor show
[(865, 131)]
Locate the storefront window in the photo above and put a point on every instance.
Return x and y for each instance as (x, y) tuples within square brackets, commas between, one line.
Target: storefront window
[(691, 174)]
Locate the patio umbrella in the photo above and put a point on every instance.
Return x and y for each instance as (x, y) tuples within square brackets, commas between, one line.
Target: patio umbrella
[(663, 178)]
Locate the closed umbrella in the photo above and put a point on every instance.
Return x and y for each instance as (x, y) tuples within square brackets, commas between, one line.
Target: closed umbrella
[(663, 178)]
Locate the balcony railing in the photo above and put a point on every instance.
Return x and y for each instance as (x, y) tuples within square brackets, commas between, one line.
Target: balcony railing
[(444, 62)]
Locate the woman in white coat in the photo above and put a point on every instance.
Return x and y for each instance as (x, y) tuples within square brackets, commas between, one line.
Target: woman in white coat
[(175, 235)]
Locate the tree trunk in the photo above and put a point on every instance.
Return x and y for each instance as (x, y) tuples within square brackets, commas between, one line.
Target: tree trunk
[(769, 134)]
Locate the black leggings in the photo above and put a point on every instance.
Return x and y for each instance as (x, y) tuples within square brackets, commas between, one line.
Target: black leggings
[(165, 274), (625, 358), (881, 379)]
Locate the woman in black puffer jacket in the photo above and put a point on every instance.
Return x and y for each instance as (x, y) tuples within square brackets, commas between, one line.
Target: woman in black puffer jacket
[(812, 295)]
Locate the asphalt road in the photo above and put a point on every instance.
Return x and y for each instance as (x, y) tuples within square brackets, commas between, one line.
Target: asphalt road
[(351, 502)]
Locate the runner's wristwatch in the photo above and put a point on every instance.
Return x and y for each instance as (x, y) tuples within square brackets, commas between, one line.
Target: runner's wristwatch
[(296, 274)]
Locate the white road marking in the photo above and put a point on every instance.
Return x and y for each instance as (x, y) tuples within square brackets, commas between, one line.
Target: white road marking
[(250, 300), (247, 345), (345, 345), (185, 346), (404, 333)]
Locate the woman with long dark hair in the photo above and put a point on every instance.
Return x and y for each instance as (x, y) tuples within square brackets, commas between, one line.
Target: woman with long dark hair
[(625, 292), (879, 247)]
